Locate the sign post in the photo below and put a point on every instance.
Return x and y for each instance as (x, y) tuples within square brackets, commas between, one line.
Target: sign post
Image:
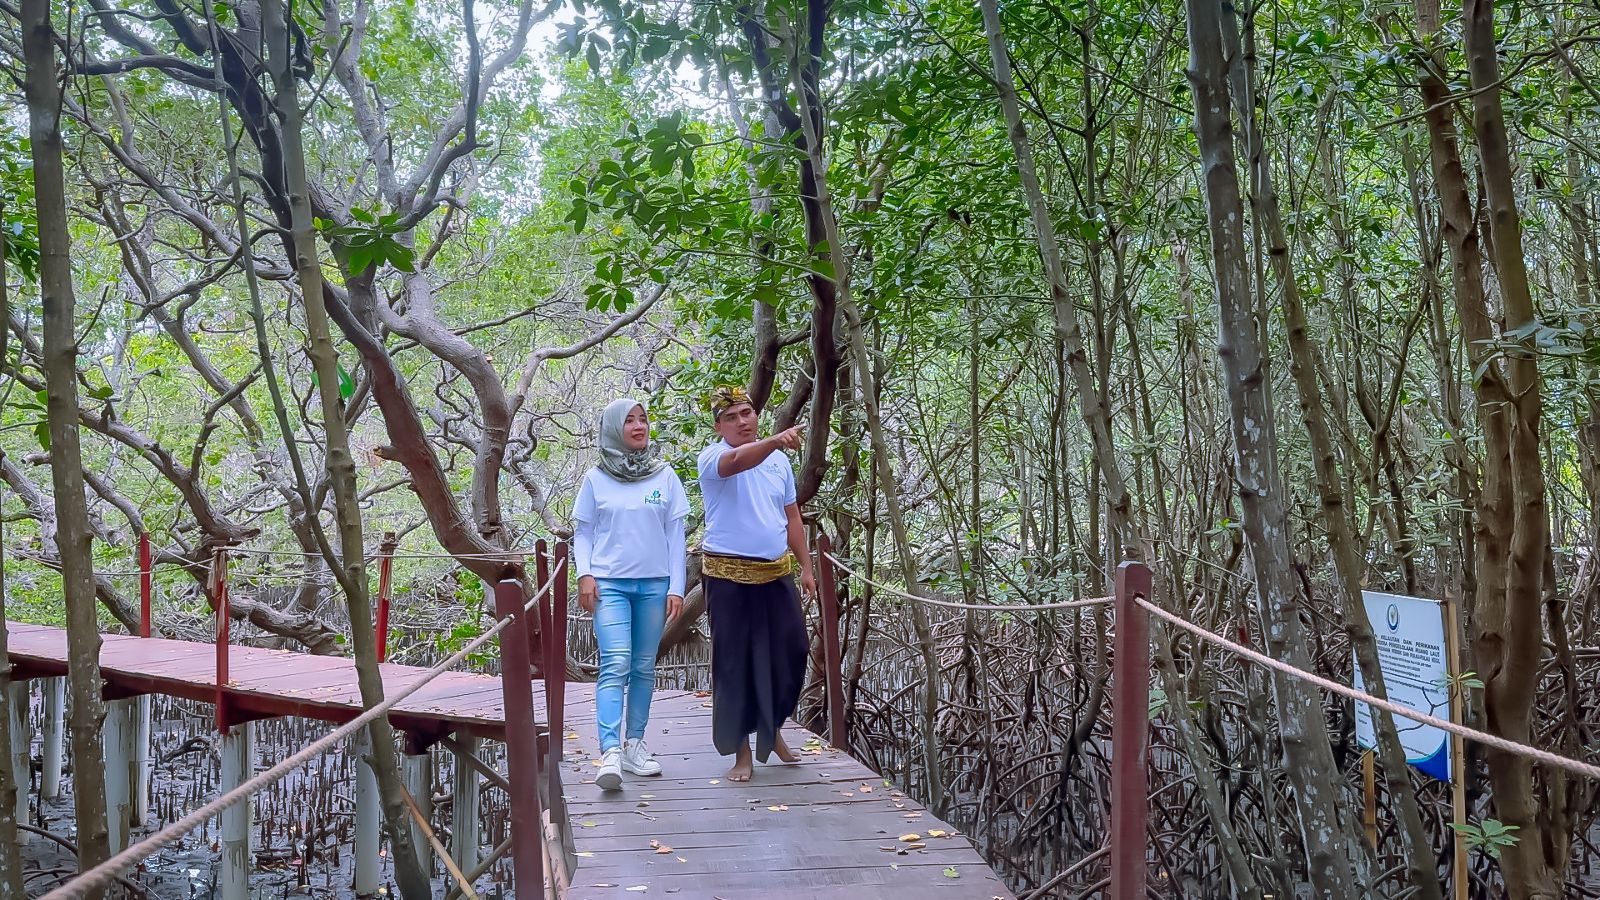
[(1458, 755), (1418, 652)]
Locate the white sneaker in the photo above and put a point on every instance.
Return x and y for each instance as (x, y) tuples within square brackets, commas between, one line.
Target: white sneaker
[(611, 763), (638, 759)]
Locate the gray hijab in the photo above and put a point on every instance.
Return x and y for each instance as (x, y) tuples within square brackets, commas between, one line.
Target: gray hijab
[(616, 459)]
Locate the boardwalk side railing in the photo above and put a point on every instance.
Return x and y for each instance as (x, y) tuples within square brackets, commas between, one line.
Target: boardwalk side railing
[(523, 781), (1128, 847)]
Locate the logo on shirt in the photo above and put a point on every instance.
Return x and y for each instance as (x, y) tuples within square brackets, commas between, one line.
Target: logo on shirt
[(654, 499)]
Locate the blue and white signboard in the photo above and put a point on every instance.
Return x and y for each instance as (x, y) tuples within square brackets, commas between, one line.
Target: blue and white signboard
[(1416, 670)]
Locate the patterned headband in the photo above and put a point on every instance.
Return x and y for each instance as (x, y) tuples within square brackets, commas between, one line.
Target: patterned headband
[(727, 397)]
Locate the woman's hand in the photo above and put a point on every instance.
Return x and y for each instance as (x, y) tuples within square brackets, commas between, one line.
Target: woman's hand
[(674, 606), (808, 583), (588, 594)]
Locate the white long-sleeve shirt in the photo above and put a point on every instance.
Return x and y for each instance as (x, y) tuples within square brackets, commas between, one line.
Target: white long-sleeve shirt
[(631, 529)]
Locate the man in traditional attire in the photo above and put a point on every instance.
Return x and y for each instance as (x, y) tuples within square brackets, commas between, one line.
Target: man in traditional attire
[(754, 541)]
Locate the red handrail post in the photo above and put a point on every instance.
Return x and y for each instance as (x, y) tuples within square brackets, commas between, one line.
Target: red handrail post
[(146, 584), (385, 577), (1130, 735), (522, 741), (556, 663), (541, 569), (828, 591), (219, 589)]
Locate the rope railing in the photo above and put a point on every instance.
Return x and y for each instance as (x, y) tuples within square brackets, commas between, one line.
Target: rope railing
[(981, 607), (105, 873), (1578, 767)]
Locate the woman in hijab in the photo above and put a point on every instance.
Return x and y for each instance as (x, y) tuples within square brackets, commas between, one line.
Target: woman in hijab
[(628, 548)]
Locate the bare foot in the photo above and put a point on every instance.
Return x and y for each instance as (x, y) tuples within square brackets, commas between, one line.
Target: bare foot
[(742, 765), (783, 751)]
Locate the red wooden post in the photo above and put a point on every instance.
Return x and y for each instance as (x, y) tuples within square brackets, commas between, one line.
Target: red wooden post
[(522, 741), (556, 683), (541, 570), (146, 584), (1130, 735), (219, 585), (828, 589), (385, 574)]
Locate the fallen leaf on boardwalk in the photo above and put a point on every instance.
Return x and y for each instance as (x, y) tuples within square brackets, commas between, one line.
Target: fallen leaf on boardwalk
[(648, 796), (866, 789), (602, 884), (911, 837), (779, 808), (682, 860), (934, 832), (663, 850), (595, 762), (716, 781), (912, 815), (573, 736), (643, 804), (587, 824), (886, 783), (895, 866), (950, 872), (702, 693), (639, 888), (585, 853), (848, 793)]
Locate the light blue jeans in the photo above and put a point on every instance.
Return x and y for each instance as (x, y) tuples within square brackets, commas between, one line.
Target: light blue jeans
[(627, 625)]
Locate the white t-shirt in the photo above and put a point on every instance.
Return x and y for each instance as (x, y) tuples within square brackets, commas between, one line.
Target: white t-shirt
[(745, 512), (631, 529)]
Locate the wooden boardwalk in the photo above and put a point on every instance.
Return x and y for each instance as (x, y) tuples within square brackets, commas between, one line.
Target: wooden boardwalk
[(825, 827)]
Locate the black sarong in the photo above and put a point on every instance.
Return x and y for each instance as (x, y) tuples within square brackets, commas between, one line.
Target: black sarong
[(759, 648)]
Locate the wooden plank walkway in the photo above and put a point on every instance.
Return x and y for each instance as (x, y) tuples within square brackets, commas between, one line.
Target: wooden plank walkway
[(264, 683), (825, 827)]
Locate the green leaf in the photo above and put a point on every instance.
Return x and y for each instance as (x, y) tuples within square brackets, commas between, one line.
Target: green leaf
[(41, 431)]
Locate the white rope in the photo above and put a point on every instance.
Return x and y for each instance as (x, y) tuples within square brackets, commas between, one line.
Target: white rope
[(981, 607), (1587, 770), (106, 872)]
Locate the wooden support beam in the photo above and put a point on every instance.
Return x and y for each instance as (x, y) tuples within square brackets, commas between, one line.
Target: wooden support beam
[(464, 803), (52, 734), (1130, 738), (522, 740), (419, 822), (116, 734), (417, 771), (369, 816), (140, 783), (21, 761), (832, 651), (238, 765)]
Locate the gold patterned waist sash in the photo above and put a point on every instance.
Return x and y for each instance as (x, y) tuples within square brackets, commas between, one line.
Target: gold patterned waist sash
[(747, 571)]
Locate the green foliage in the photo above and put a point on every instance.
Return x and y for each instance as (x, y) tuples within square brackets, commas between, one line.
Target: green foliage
[(17, 217), (1491, 835), (369, 241)]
